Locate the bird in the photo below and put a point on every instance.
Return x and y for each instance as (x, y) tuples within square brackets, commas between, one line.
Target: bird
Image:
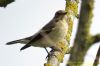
[(49, 35)]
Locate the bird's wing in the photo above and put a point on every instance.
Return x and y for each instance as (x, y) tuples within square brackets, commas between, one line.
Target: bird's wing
[(33, 39), (45, 30)]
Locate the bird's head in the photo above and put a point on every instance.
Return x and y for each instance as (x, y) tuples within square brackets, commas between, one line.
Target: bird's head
[(60, 13)]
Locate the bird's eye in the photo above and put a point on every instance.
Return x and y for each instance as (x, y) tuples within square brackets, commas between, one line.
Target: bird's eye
[(58, 13)]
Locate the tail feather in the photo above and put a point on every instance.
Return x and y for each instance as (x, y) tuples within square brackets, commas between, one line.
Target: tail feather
[(13, 42), (26, 46)]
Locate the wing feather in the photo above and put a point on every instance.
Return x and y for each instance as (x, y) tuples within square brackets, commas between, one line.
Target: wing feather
[(45, 30)]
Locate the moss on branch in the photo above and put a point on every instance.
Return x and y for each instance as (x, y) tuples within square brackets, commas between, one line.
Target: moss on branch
[(83, 38)]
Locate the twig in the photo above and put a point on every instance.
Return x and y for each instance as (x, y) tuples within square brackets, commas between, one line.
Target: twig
[(96, 62)]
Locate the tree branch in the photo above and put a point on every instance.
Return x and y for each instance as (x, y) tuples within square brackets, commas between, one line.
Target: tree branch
[(96, 38), (53, 59), (96, 62), (82, 40), (56, 57)]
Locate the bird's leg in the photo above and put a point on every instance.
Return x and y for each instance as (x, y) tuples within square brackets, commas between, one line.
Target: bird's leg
[(53, 49), (47, 52)]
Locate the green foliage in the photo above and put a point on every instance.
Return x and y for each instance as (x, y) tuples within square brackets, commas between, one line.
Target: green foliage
[(4, 3)]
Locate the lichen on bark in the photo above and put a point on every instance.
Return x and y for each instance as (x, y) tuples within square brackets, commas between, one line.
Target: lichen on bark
[(83, 39)]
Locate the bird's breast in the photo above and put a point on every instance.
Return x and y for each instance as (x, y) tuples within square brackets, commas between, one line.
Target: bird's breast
[(60, 31)]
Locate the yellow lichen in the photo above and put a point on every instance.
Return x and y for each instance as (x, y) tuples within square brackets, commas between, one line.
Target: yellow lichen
[(47, 64)]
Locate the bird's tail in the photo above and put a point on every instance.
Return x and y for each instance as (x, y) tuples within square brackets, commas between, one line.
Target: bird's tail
[(13, 42)]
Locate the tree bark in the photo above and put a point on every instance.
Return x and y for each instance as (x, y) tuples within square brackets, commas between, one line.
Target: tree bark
[(83, 38), (96, 62)]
